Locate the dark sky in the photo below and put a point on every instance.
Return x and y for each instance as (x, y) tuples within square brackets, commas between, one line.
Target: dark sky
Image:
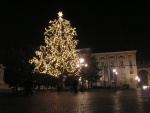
[(103, 26)]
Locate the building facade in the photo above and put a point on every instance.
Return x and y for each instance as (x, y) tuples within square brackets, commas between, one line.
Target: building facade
[(117, 68)]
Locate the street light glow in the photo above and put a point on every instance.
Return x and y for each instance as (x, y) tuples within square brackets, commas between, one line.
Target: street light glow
[(114, 70), (137, 78), (82, 65), (85, 65), (81, 60)]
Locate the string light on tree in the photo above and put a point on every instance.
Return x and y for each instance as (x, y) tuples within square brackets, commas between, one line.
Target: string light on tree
[(58, 55)]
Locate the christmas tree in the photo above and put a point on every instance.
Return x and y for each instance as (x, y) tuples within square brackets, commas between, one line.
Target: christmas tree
[(58, 56)]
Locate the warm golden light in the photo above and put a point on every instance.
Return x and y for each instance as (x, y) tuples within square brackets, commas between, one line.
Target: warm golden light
[(137, 78), (86, 65), (58, 55), (81, 60), (60, 14), (114, 70)]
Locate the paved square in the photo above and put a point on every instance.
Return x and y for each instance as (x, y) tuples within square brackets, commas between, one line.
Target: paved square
[(93, 101)]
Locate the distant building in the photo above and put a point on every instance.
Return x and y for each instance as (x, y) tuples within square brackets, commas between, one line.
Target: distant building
[(117, 68)]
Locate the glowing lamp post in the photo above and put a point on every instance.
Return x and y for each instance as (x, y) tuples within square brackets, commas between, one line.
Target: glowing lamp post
[(137, 78), (138, 81), (82, 64), (81, 60), (114, 75)]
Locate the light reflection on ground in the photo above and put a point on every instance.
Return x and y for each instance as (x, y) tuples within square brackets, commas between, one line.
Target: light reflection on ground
[(93, 101)]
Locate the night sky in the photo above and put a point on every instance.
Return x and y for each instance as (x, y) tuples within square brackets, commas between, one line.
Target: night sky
[(103, 26)]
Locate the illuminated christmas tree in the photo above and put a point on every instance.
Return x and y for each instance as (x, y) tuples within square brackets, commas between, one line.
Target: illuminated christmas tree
[(58, 56)]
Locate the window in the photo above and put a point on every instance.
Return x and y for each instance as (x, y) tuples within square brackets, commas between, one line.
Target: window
[(112, 63), (121, 63), (130, 62), (102, 64), (131, 70)]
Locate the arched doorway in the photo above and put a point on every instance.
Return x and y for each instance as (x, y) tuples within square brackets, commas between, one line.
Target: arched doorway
[(143, 75)]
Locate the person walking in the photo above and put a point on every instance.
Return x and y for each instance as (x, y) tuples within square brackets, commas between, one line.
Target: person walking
[(28, 88), (75, 86)]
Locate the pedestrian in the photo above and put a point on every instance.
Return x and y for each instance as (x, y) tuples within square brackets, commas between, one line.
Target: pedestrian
[(13, 89), (28, 88), (75, 86), (59, 87)]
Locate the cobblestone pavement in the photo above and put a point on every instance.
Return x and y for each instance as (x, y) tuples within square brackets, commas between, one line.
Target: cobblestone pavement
[(93, 101)]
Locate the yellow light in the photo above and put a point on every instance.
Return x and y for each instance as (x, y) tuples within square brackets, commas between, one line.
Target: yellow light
[(86, 65), (81, 60), (60, 14), (58, 55), (114, 70)]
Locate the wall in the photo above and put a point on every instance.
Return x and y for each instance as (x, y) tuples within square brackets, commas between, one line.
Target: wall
[(125, 64)]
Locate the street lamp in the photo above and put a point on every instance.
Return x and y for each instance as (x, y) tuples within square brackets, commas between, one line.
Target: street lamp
[(82, 64), (81, 60), (138, 80), (114, 75)]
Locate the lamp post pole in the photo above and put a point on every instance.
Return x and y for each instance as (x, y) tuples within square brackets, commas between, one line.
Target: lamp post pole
[(114, 74), (138, 80), (82, 64)]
